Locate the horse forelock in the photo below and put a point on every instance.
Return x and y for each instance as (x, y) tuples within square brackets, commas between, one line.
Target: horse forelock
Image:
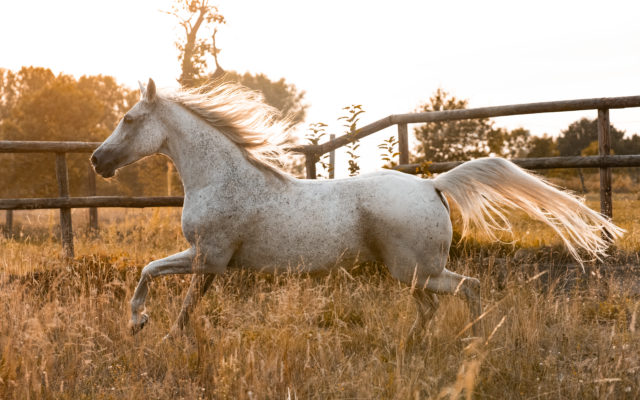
[(243, 117)]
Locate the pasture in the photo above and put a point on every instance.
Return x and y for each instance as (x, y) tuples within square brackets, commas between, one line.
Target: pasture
[(552, 331)]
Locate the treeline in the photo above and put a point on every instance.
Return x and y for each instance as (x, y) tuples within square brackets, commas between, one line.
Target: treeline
[(468, 139)]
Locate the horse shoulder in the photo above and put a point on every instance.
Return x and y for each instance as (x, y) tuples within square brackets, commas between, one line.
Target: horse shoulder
[(211, 218)]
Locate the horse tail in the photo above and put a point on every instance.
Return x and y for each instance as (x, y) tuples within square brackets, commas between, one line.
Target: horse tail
[(482, 188)]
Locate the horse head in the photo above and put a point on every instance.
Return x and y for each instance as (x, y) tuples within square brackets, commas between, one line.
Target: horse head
[(140, 133)]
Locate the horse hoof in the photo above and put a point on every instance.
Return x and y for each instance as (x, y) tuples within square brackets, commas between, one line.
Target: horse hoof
[(135, 328)]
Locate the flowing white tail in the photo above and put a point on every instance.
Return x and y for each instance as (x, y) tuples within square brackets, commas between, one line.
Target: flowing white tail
[(483, 187)]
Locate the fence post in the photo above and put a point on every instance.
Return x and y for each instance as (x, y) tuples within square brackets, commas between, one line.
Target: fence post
[(93, 211), (169, 180), (332, 160), (65, 213), (8, 225), (310, 164), (604, 149), (403, 143)]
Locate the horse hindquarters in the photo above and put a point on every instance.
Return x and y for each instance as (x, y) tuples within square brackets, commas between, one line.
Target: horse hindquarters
[(407, 227), (412, 236)]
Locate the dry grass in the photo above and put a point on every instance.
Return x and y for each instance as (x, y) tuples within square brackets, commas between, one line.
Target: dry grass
[(553, 331)]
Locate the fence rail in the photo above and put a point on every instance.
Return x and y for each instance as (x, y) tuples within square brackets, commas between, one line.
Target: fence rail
[(176, 201), (26, 146), (604, 161), (92, 201)]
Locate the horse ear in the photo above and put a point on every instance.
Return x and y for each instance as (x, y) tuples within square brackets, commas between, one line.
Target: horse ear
[(150, 92), (142, 89)]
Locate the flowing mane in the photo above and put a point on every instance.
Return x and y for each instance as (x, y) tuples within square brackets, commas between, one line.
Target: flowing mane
[(241, 115)]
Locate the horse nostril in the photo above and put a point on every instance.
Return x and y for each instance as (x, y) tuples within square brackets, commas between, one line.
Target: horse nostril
[(94, 160)]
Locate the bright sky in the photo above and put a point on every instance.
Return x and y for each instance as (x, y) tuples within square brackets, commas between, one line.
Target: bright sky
[(387, 56)]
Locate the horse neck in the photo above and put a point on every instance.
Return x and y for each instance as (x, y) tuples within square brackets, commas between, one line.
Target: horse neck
[(204, 156)]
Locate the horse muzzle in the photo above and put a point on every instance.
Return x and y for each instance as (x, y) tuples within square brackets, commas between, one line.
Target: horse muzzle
[(104, 162)]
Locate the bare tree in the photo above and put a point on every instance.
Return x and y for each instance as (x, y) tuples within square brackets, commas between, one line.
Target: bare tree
[(196, 17)]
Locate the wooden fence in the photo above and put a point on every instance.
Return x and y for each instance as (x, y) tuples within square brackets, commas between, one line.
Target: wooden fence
[(604, 161)]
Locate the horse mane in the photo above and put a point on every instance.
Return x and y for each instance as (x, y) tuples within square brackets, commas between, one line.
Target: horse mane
[(242, 116)]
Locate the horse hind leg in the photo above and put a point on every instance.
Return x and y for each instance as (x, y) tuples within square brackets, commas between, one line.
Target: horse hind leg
[(427, 304), (199, 285), (448, 282)]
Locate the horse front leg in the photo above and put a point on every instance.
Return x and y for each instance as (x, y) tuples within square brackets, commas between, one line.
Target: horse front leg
[(199, 286), (180, 263)]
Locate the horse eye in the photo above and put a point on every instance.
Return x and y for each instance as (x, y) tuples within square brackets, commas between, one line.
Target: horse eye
[(127, 119)]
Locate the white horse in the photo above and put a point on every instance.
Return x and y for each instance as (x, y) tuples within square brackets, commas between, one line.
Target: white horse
[(240, 209)]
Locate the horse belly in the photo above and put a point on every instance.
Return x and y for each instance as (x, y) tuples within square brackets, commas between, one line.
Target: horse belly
[(309, 243)]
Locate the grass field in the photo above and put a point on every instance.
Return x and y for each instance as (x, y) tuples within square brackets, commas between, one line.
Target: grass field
[(552, 331)]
